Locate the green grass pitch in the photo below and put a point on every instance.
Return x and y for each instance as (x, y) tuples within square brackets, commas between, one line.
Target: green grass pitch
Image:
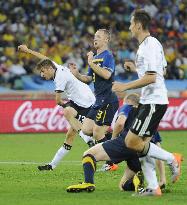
[(22, 184)]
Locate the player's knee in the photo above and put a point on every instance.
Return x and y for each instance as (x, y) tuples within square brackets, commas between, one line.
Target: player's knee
[(98, 133), (88, 152), (87, 131)]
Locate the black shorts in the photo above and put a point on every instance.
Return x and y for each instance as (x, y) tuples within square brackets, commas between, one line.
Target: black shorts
[(81, 111), (103, 115), (118, 152), (147, 119)]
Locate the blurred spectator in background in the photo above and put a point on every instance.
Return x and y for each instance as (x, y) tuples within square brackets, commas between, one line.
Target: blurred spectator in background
[(63, 31)]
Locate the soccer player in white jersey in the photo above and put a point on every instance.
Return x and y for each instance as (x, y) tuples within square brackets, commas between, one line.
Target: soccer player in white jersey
[(150, 64), (80, 98)]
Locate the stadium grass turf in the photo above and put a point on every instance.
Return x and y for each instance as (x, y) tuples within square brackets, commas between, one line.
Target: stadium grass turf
[(22, 184)]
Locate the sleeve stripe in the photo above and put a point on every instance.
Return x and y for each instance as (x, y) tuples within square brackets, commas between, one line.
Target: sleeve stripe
[(109, 69), (59, 91), (150, 72)]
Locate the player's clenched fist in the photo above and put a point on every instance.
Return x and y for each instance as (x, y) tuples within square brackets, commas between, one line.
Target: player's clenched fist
[(130, 66), (90, 57)]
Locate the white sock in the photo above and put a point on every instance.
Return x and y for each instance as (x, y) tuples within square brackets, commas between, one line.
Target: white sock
[(86, 138), (148, 168), (58, 156), (159, 153)]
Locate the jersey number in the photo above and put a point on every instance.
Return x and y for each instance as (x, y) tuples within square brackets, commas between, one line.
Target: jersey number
[(99, 115), (137, 124)]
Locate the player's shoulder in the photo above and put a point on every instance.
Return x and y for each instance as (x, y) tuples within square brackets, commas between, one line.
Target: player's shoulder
[(152, 41), (108, 53), (60, 67)]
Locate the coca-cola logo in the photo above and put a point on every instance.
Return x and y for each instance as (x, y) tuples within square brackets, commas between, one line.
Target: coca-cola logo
[(175, 116), (40, 119)]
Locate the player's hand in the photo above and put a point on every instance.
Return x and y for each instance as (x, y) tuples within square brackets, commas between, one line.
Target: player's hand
[(23, 48), (90, 57), (73, 69), (119, 87), (130, 66)]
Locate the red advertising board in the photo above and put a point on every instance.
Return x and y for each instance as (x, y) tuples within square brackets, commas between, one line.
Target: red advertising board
[(175, 117), (31, 116), (45, 116)]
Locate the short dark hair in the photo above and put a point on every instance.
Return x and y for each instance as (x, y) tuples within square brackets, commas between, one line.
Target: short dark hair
[(142, 17), (106, 32), (45, 63)]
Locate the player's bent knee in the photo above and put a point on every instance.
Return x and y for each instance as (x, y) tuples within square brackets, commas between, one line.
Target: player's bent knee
[(87, 131)]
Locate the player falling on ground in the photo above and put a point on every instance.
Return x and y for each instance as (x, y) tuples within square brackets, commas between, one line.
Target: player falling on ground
[(101, 72), (116, 151), (80, 100), (150, 65)]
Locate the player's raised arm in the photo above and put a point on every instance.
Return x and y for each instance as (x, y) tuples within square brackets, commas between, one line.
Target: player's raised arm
[(74, 70), (25, 49)]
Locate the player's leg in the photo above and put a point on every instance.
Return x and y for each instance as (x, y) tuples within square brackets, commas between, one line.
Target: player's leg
[(161, 170), (156, 139), (149, 169), (152, 150), (109, 150), (99, 132), (87, 131), (133, 179), (103, 120), (124, 182), (76, 117), (90, 157), (145, 124), (60, 154), (70, 113)]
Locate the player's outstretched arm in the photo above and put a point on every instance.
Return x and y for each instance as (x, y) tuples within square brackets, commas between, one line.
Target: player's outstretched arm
[(119, 125), (74, 70), (145, 80), (25, 49)]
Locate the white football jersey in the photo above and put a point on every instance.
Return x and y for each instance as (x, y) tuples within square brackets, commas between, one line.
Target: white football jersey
[(150, 57), (77, 91)]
